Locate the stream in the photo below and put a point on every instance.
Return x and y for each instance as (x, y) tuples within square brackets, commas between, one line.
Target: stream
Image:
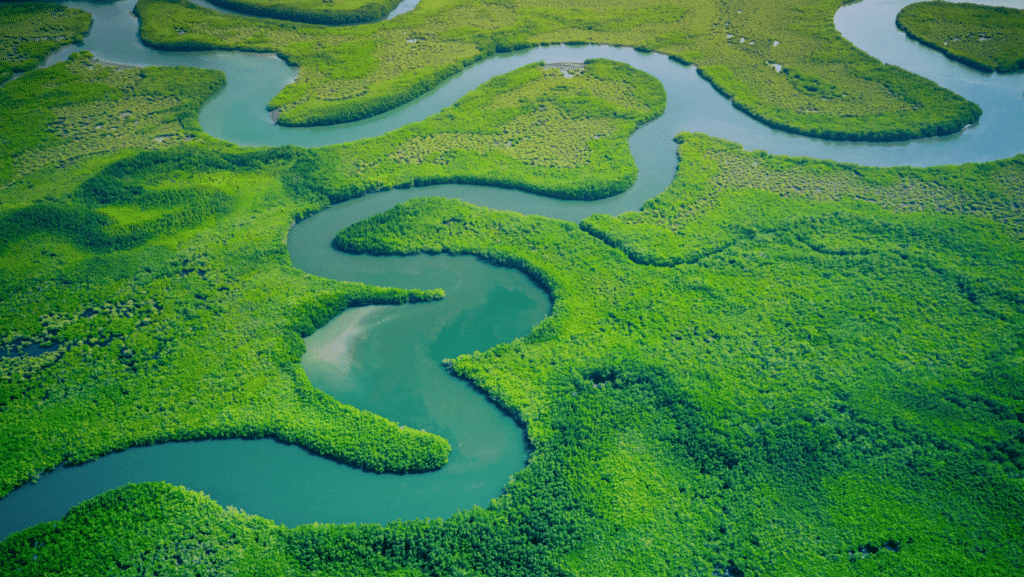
[(387, 359)]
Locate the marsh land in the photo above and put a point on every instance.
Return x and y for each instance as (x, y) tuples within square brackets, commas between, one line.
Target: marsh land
[(510, 315)]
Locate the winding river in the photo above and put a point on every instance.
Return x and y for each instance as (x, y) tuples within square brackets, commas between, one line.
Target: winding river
[(351, 357)]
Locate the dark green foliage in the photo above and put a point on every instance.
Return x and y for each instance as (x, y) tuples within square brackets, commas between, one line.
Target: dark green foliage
[(176, 531), (327, 12), (125, 182), (988, 38), (29, 32)]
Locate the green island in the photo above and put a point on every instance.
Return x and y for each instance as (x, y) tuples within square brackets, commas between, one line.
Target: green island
[(778, 366), (532, 129), (988, 38), (329, 12), (30, 31), (825, 87)]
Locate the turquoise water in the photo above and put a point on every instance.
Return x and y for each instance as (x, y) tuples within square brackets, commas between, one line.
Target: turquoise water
[(387, 359)]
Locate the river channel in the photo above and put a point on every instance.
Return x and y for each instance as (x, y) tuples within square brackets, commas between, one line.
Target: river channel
[(353, 357)]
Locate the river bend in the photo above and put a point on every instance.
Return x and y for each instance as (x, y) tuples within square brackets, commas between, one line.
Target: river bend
[(350, 357)]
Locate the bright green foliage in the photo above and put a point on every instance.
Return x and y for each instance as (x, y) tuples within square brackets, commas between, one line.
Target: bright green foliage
[(72, 110), (30, 32), (345, 73), (827, 88), (131, 269), (989, 38), (329, 12), (532, 129), (137, 269), (859, 368), (830, 388), (778, 367), (992, 190), (195, 272)]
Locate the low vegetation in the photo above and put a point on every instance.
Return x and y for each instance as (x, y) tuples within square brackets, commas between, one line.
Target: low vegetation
[(71, 111), (988, 38), (329, 12), (991, 190), (533, 129), (826, 87), (31, 31)]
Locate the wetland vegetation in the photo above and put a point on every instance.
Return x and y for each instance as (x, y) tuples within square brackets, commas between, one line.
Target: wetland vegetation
[(30, 31), (825, 88), (135, 262), (186, 233), (988, 38), (778, 366), (786, 399), (330, 12), (533, 129)]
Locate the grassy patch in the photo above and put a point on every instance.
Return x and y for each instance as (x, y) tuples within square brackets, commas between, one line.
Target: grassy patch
[(329, 12), (64, 114), (659, 234), (984, 37), (532, 129), (29, 32)]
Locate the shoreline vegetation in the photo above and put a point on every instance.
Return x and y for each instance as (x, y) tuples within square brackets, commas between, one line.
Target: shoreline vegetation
[(326, 12), (194, 260), (776, 367), (658, 414), (825, 87), (131, 263), (532, 129), (986, 38), (685, 294), (31, 31)]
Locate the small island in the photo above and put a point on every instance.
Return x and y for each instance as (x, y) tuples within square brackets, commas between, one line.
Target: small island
[(329, 12), (987, 38)]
